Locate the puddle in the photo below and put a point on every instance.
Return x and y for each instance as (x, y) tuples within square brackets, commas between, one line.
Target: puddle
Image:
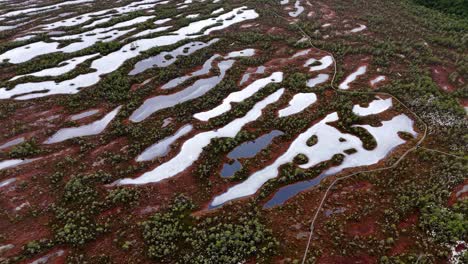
[(199, 88), (161, 148), (247, 150), (298, 103), (192, 148), (94, 128)]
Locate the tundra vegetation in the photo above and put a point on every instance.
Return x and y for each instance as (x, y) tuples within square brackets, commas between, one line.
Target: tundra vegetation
[(66, 196)]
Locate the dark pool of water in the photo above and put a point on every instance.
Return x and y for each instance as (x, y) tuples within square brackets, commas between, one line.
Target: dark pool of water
[(247, 150), (287, 192)]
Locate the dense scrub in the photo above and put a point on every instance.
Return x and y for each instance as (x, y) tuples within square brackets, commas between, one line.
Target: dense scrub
[(457, 7)]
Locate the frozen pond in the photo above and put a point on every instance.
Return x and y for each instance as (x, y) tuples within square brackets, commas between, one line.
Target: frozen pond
[(104, 15), (298, 103), (377, 80), (63, 67), (94, 128), (386, 143), (299, 9), (239, 96), (358, 29), (114, 60), (165, 58), (375, 107), (204, 70), (84, 114), (319, 79), (327, 146), (197, 89), (7, 182), (161, 148), (246, 76), (12, 142), (192, 148), (43, 8), (247, 150), (318, 65), (6, 164), (360, 71)]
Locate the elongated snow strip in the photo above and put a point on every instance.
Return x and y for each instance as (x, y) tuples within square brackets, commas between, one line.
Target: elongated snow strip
[(375, 107), (192, 148), (298, 103), (239, 96), (94, 128), (327, 146), (114, 60), (360, 71)]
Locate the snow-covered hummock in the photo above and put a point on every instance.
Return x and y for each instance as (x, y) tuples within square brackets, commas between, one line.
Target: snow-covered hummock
[(360, 71), (161, 148), (299, 9), (197, 89), (63, 67), (298, 103), (375, 107), (377, 79), (94, 128), (358, 29), (327, 146), (319, 79), (239, 96), (192, 148), (325, 62), (114, 60)]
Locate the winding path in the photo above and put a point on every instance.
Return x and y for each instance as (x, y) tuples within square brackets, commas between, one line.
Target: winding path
[(332, 85)]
